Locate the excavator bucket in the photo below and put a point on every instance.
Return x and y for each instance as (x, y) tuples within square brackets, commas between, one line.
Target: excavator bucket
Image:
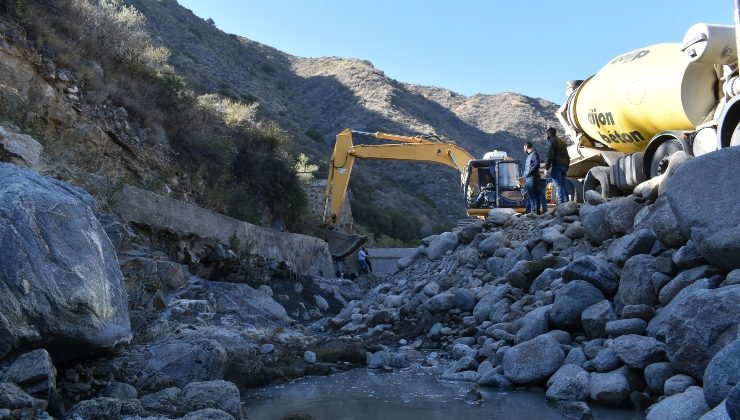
[(342, 244)]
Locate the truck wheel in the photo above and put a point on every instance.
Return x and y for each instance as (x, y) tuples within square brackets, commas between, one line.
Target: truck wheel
[(597, 179), (661, 156)]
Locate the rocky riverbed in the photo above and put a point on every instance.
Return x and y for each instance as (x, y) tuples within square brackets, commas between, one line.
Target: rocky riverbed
[(627, 303)]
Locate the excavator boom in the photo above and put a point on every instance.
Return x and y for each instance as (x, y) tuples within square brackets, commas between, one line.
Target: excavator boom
[(413, 149)]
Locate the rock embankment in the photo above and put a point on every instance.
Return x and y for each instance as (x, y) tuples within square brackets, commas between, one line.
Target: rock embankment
[(628, 302)]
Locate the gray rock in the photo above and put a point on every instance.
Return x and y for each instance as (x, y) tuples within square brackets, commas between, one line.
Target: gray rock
[(569, 388), (431, 289), (440, 303), (636, 285), (267, 348), (733, 402), (639, 242), (606, 360), (446, 241), (461, 350), (659, 281), (658, 326), (609, 389), (20, 149), (638, 351), (620, 215), (208, 414), (594, 222), (534, 323), (562, 337), (218, 394), (309, 357), (700, 326), (524, 272), (595, 317), (663, 223), (499, 216), (688, 405), (466, 234), (493, 242), (520, 253), (34, 372), (641, 311), (714, 229), (321, 303), (533, 360), (495, 266), (570, 301), (575, 357), (569, 208), (717, 413), (688, 256), (575, 231), (168, 401), (567, 370), (120, 391), (626, 326), (378, 360), (656, 374), (54, 261), (685, 278), (733, 277), (12, 397), (593, 270), (543, 281), (483, 307), (677, 384), (97, 408), (465, 299), (722, 373), (500, 311), (494, 379)]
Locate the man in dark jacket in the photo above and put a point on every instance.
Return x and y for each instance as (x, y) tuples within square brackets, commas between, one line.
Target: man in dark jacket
[(532, 176), (557, 163)]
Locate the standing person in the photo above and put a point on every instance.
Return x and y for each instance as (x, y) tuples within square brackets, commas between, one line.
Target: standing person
[(362, 260), (557, 163), (532, 176), (339, 266)]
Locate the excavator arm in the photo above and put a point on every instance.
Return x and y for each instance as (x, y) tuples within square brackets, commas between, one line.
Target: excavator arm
[(413, 149)]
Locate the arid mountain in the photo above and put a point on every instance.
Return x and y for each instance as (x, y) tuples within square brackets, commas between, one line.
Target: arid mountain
[(326, 95)]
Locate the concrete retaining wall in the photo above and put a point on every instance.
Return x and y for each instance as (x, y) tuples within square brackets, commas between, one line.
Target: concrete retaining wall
[(304, 254), (384, 259)]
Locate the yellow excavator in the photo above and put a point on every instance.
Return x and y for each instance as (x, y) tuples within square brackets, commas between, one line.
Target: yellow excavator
[(486, 183)]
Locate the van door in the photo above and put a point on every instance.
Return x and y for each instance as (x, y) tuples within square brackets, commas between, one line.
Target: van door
[(508, 192)]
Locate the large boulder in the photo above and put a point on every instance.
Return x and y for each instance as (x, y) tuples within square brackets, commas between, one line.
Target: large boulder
[(34, 372), (18, 148), (663, 223), (594, 222), (620, 215), (570, 302), (722, 373), (638, 351), (442, 243), (593, 270), (60, 285), (595, 317), (218, 394), (688, 405), (484, 305), (524, 272), (636, 284), (713, 228), (701, 326), (639, 242), (533, 361), (609, 389), (534, 323), (685, 278)]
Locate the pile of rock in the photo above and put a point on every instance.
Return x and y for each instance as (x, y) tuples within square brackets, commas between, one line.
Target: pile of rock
[(630, 302)]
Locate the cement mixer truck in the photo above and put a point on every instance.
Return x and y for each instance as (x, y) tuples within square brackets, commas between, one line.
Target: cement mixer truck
[(644, 105)]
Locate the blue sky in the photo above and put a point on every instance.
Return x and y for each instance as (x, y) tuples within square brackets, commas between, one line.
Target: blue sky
[(474, 46)]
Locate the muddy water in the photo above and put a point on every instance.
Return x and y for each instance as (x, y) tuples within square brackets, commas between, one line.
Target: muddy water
[(413, 393)]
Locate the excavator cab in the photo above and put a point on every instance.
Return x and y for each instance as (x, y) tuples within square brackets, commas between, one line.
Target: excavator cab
[(505, 192)]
